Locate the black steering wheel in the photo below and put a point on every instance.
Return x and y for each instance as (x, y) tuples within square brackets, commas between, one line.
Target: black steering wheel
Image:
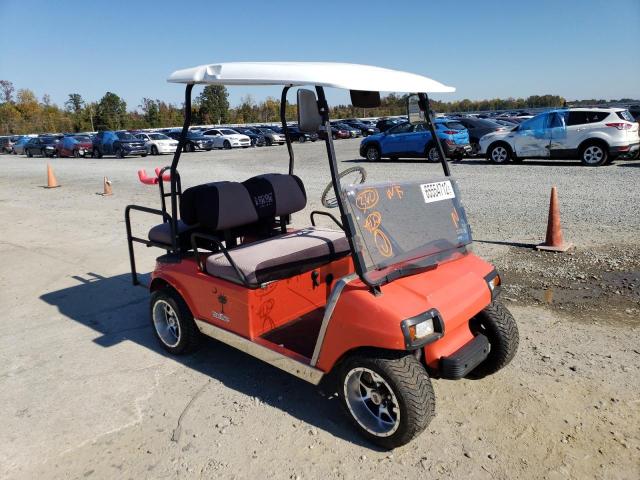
[(356, 175)]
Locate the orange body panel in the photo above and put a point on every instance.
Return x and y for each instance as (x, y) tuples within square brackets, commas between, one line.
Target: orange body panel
[(457, 289), (247, 312)]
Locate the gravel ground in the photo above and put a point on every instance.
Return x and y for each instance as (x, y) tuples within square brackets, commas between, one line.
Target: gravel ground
[(86, 392)]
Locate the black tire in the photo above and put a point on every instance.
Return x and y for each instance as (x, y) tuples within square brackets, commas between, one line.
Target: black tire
[(143, 155), (302, 139), (432, 153), (154, 150), (119, 153), (498, 325), (96, 153), (499, 153), (43, 153), (269, 142), (188, 336), (331, 202), (226, 145), (333, 136), (475, 148), (594, 154), (189, 148), (28, 152), (372, 153), (409, 384), (76, 153)]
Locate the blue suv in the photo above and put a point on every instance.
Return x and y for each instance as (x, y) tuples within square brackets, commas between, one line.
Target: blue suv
[(414, 140), (119, 144)]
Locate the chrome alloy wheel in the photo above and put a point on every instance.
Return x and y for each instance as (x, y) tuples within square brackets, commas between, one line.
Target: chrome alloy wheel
[(593, 154), (166, 323), (499, 154), (372, 402)]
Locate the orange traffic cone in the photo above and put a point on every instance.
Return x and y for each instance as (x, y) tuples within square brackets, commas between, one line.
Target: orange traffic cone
[(51, 178), (106, 189), (555, 240)]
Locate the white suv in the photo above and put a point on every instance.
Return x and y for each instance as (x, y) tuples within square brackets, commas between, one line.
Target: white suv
[(227, 138), (594, 135)]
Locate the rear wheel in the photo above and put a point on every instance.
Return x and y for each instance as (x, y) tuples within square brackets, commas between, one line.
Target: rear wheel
[(432, 154), (499, 154), (173, 322), (372, 153), (301, 139), (119, 153), (154, 150), (497, 324), (28, 152), (594, 155), (389, 398)]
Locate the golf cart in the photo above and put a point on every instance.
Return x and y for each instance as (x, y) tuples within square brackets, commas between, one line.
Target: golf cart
[(372, 308)]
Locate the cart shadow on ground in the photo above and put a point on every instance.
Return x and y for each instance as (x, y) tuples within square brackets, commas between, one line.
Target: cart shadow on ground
[(120, 312)]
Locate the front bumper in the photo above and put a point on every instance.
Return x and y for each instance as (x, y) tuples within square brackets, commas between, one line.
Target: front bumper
[(166, 148), (134, 151), (465, 359)]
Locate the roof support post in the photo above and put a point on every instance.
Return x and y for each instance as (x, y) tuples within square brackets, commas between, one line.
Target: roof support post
[(347, 220), (285, 128), (423, 102), (174, 168)]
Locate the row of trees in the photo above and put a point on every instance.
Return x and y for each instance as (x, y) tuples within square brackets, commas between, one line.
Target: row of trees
[(22, 112)]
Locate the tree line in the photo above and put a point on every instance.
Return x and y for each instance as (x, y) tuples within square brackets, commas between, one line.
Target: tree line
[(21, 112)]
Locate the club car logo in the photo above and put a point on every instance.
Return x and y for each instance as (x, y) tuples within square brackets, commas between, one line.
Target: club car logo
[(434, 192), (221, 315), (264, 200)]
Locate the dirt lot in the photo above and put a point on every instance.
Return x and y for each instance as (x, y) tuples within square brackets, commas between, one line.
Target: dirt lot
[(85, 391)]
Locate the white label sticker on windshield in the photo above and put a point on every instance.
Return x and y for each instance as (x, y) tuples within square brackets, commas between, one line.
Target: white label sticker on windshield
[(434, 192)]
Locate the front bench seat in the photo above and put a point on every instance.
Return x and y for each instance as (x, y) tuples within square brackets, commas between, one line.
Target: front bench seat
[(281, 256)]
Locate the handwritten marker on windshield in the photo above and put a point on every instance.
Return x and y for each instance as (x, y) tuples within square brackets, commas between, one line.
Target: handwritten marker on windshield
[(555, 239)]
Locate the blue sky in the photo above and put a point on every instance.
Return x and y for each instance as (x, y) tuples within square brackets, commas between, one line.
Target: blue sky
[(574, 48)]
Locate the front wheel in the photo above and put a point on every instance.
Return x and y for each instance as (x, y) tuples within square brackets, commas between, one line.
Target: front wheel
[(226, 145), (173, 322), (301, 139), (389, 398), (433, 155), (372, 153), (499, 154), (154, 150), (497, 324)]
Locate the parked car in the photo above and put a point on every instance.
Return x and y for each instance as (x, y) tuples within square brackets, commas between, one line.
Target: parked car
[(353, 131), (272, 135), (119, 143), (44, 146), (157, 143), (385, 124), (634, 110), (257, 139), (194, 141), (18, 147), (596, 136), (336, 133), (365, 128), (227, 138), (478, 128), (6, 144), (414, 140), (74, 146), (505, 123), (297, 136)]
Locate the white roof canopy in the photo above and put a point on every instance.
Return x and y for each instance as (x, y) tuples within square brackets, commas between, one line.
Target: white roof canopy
[(339, 75)]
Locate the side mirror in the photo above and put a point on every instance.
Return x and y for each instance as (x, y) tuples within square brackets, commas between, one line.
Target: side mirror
[(309, 119)]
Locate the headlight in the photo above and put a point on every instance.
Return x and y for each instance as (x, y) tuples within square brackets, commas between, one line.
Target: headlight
[(494, 283), (422, 329)]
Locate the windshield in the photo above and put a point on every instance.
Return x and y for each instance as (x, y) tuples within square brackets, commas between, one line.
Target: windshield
[(158, 136), (125, 136), (406, 226), (82, 138)]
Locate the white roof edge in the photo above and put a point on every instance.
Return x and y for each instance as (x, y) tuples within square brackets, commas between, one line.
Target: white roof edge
[(348, 76)]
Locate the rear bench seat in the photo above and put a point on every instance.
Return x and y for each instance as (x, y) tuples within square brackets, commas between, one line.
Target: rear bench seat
[(231, 209)]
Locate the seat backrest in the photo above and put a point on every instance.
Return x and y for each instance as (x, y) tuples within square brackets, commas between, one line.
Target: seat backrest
[(222, 206)]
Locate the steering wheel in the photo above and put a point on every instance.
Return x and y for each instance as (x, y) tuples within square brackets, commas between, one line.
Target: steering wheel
[(356, 175)]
